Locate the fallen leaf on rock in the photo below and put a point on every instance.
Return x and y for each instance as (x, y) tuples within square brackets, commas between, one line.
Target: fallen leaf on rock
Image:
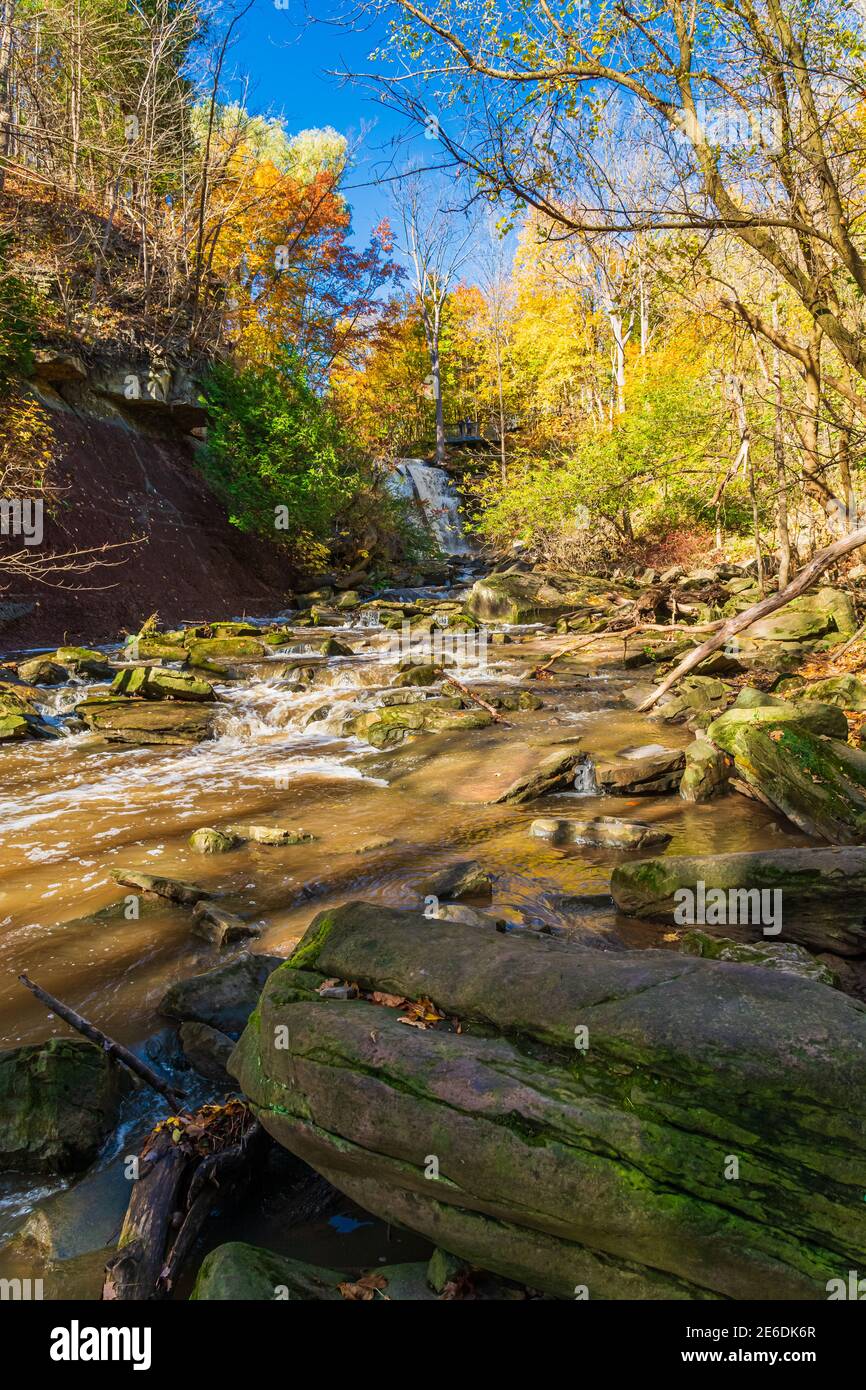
[(388, 1001), (365, 1288), (775, 735)]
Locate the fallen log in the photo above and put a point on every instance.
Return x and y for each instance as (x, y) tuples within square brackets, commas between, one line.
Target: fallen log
[(804, 580), (470, 695), (114, 1049), (188, 1165)]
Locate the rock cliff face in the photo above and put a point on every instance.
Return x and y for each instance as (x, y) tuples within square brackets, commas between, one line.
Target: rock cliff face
[(125, 467), (643, 1125)]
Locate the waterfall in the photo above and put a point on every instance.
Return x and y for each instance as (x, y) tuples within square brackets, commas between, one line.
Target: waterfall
[(432, 490)]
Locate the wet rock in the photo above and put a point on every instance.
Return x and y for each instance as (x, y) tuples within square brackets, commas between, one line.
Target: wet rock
[(225, 649), (19, 713), (707, 771), (153, 683), (158, 648), (210, 841), (466, 879), (41, 670), (818, 783), (781, 955), (469, 916), (641, 772), (554, 773), (172, 888), (59, 1100), (122, 720), (83, 660), (417, 675), (386, 727), (350, 598), (207, 1050), (270, 834), (331, 647), (214, 924), (821, 894), (606, 831), (680, 1062), (85, 1217), (223, 997)]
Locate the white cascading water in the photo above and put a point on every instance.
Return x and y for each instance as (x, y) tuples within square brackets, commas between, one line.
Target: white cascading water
[(433, 492)]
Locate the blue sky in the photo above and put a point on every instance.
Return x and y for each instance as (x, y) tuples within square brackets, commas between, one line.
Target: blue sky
[(287, 55)]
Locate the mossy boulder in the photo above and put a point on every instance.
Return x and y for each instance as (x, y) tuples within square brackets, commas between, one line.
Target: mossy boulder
[(822, 894), (225, 649), (848, 692), (696, 700), (386, 727), (583, 1116), (813, 715), (513, 597), (83, 660), (207, 840), (819, 783), (59, 1100), (815, 614), (41, 670), (780, 955), (19, 713), (154, 683)]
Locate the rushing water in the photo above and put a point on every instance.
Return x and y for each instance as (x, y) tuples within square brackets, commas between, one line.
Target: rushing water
[(73, 810)]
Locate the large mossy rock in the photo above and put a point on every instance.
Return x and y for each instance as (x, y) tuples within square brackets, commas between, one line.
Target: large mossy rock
[(848, 692), (818, 718), (818, 783), (19, 713), (583, 1119), (153, 683), (695, 701), (823, 892), (818, 613), (123, 720), (388, 726), (210, 650), (58, 1102), (513, 597)]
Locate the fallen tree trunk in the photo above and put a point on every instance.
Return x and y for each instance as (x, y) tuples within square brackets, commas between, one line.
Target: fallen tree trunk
[(804, 580), (188, 1165)]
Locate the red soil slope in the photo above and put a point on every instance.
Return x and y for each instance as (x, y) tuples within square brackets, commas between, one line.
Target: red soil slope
[(191, 564)]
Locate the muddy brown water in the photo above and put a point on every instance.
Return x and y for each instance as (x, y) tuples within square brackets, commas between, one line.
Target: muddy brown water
[(73, 810)]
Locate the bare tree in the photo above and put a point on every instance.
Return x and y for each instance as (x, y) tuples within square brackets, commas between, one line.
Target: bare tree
[(437, 243)]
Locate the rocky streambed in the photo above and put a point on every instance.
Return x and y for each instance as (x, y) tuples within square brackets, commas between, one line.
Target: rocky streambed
[(415, 889)]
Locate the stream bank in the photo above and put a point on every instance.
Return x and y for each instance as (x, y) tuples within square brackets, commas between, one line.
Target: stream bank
[(287, 748)]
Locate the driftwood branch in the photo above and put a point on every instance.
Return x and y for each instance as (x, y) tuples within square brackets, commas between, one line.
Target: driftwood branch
[(804, 580), (114, 1049), (470, 695)]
